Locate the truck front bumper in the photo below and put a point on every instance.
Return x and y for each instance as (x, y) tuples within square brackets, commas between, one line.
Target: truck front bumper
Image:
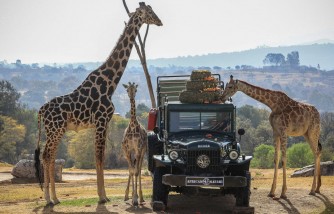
[(200, 181)]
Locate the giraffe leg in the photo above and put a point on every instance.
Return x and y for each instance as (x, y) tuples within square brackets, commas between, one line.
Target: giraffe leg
[(317, 190), (141, 198), (283, 146), (56, 141), (128, 159), (46, 165), (52, 182), (47, 153), (126, 197), (133, 187), (276, 159), (135, 194), (312, 138), (100, 138)]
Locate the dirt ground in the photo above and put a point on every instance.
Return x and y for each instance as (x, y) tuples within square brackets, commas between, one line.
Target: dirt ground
[(28, 198)]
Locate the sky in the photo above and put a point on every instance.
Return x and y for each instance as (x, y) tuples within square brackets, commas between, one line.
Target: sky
[(64, 31)]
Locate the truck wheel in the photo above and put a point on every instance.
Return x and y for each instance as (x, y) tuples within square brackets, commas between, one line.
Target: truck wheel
[(160, 191), (243, 194), (154, 148)]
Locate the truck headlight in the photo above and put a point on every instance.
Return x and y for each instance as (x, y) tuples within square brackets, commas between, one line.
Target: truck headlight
[(173, 155), (233, 155), (222, 152)]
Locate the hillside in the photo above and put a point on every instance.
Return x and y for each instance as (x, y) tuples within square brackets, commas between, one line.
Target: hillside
[(38, 84), (310, 55), (322, 54)]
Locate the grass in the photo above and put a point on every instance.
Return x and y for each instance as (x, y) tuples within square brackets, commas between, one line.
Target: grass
[(82, 195), (2, 164), (69, 190)]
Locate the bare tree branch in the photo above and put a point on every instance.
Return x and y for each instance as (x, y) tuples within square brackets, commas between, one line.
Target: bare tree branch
[(145, 37), (142, 56)]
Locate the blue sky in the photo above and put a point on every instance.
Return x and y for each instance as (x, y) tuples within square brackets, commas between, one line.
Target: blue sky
[(60, 31)]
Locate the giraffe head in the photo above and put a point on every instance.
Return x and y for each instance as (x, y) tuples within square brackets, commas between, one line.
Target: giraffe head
[(148, 16), (230, 89), (131, 89)]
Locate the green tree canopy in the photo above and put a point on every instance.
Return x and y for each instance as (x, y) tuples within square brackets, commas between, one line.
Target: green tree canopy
[(11, 133), (276, 59), (8, 98), (263, 156), (299, 155), (292, 59)]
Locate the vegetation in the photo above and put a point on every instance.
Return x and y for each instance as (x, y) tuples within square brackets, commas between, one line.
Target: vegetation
[(33, 85)]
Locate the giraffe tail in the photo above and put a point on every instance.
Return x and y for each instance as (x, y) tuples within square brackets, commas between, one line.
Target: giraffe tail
[(319, 146), (38, 170)]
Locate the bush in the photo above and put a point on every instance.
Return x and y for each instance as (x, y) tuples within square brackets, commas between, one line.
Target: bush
[(263, 157), (299, 155)]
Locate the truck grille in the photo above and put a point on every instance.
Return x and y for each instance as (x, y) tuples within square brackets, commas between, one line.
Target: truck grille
[(192, 166)]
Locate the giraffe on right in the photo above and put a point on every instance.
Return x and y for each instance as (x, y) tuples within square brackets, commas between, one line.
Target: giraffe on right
[(288, 118)]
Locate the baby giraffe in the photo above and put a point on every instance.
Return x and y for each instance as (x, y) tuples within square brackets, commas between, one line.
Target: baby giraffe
[(134, 146)]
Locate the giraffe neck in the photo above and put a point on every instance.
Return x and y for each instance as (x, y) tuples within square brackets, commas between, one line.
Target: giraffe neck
[(133, 109), (108, 75), (272, 99)]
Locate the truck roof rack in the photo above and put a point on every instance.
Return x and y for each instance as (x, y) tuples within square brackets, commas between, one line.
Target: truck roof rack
[(172, 86)]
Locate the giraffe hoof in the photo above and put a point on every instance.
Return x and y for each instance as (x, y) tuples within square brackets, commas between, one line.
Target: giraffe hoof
[(103, 200), (56, 201), (271, 195), (283, 196), (49, 204), (312, 193), (135, 203), (317, 191)]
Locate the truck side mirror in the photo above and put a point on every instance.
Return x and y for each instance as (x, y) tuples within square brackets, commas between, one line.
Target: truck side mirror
[(241, 131)]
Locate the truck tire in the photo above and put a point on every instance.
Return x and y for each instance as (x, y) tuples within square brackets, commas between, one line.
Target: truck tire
[(154, 148), (243, 194), (160, 190)]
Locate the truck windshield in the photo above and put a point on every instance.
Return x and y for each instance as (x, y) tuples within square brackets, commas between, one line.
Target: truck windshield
[(216, 121)]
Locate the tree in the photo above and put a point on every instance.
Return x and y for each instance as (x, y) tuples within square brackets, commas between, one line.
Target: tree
[(299, 155), (255, 115), (292, 59), (11, 133), (263, 156), (81, 148), (276, 59), (8, 98), (142, 56)]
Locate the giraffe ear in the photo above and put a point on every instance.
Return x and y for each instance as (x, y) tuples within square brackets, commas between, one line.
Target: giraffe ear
[(125, 86), (131, 14)]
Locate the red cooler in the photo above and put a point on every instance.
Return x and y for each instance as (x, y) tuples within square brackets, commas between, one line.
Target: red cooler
[(152, 119)]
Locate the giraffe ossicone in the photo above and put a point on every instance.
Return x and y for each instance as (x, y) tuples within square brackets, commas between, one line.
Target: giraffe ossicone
[(288, 118), (88, 106)]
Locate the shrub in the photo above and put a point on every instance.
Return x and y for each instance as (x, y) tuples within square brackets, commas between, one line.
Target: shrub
[(299, 155), (263, 157)]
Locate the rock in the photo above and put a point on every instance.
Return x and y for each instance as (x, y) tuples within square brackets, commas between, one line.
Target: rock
[(327, 168), (26, 169)]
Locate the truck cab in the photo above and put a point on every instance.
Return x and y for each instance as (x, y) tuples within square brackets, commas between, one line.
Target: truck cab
[(194, 148)]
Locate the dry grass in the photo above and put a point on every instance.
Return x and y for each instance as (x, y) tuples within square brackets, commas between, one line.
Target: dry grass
[(264, 177), (82, 195)]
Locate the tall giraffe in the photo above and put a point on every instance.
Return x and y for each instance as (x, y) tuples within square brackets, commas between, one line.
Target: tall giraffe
[(88, 106), (134, 146), (288, 118)]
